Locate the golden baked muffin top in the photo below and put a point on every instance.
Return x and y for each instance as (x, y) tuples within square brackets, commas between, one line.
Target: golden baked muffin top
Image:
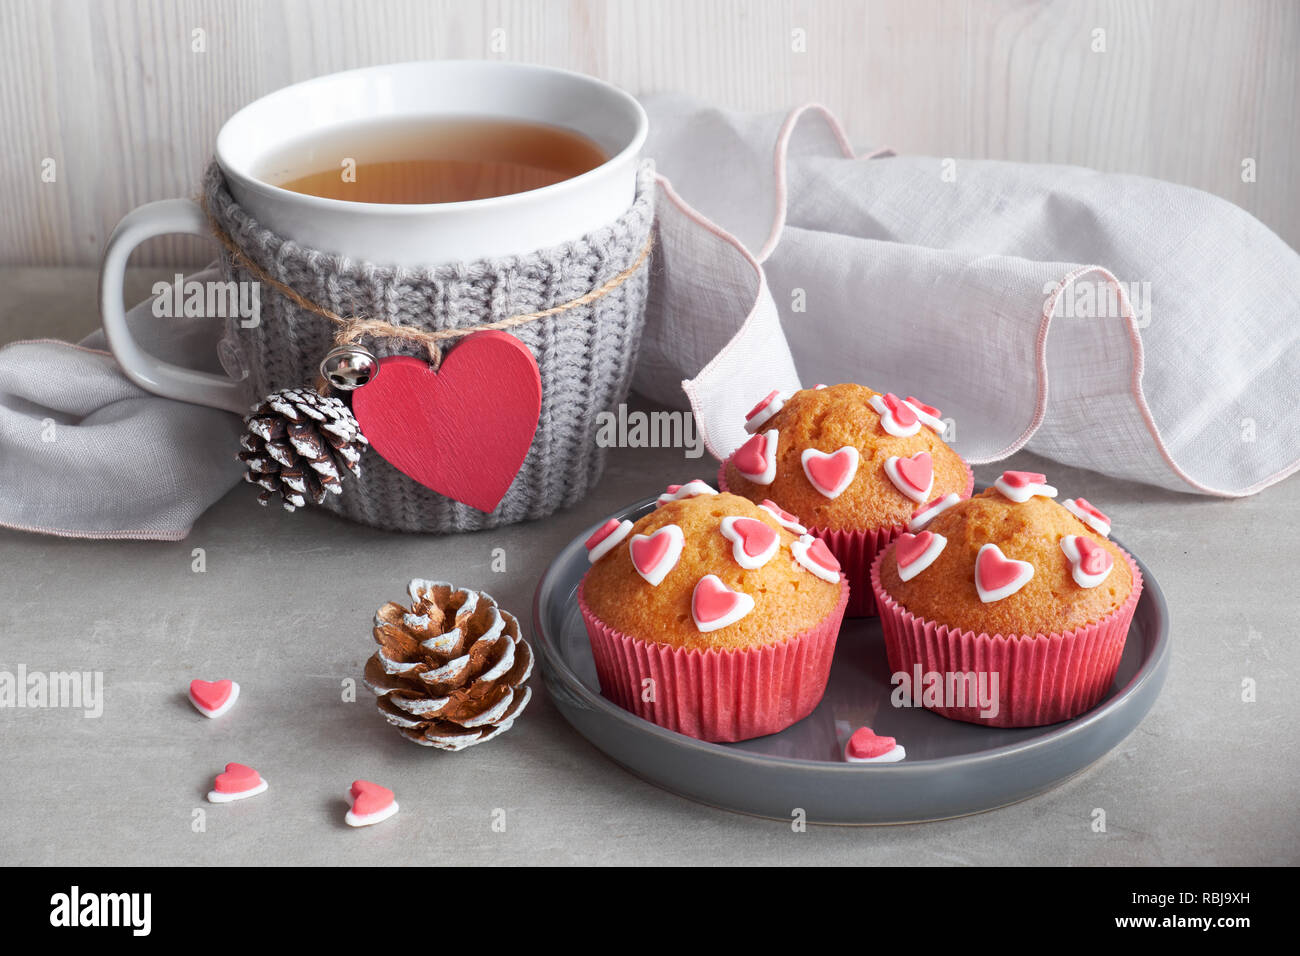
[(994, 565), (846, 457), (729, 574)]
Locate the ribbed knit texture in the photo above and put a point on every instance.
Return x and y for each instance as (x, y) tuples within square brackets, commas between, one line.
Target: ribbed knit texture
[(586, 355)]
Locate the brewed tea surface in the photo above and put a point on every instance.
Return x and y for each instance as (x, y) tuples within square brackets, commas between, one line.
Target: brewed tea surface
[(430, 159)]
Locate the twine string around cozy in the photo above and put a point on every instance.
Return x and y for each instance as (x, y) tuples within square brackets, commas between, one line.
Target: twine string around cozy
[(461, 425)]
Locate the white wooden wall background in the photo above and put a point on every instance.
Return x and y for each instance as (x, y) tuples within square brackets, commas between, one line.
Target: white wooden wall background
[(112, 91)]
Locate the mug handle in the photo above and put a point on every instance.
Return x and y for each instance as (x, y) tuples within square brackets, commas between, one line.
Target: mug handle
[(166, 217)]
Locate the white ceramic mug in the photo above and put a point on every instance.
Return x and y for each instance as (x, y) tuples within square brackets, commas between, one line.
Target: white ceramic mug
[(409, 235)]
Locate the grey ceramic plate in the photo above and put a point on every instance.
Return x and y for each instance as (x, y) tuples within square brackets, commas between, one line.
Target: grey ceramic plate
[(951, 769)]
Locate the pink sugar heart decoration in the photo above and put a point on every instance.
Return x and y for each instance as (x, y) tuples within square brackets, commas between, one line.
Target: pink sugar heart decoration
[(654, 555), (462, 430), (997, 576), (831, 473), (928, 409), (691, 489), (865, 744), (899, 409), (813, 554), (1023, 479), (928, 505), (918, 470), (237, 778), (763, 403), (912, 546), (753, 542), (784, 518), (780, 513), (1087, 507), (601, 533), (714, 605), (1093, 558), (750, 458), (996, 571), (821, 554), (649, 550), (606, 538), (755, 536), (369, 798)]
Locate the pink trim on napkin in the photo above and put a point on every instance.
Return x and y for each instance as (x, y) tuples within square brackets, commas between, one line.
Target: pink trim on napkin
[(703, 408)]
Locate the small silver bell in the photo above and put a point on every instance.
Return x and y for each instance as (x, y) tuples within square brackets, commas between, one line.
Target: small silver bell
[(348, 367)]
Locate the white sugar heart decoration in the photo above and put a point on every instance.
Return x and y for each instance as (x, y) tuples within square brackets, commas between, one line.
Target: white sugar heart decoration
[(830, 472), (654, 555), (997, 576)]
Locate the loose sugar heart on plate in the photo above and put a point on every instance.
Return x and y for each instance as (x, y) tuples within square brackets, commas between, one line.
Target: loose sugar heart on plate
[(866, 746)]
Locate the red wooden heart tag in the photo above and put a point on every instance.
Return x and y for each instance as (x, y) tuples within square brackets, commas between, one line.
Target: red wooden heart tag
[(462, 430)]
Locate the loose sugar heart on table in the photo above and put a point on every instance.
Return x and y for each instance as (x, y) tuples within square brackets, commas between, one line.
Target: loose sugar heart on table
[(237, 782), (213, 698), (463, 429), (369, 803)]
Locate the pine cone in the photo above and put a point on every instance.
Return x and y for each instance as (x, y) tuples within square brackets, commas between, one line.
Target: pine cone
[(299, 443), (450, 672)]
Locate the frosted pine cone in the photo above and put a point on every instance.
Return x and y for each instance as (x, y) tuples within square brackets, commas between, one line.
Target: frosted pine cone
[(451, 671), (299, 444)]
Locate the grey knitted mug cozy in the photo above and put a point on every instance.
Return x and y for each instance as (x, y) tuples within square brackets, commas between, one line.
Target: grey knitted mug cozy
[(585, 354)]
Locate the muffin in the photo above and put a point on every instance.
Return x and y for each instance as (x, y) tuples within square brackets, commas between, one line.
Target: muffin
[(709, 617), (1012, 609), (853, 464)]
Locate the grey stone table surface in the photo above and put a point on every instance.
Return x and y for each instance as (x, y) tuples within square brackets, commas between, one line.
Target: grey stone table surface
[(283, 605)]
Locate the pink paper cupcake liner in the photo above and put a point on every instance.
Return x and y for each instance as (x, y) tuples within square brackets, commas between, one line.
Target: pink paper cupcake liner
[(1042, 679), (716, 695), (856, 550)]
